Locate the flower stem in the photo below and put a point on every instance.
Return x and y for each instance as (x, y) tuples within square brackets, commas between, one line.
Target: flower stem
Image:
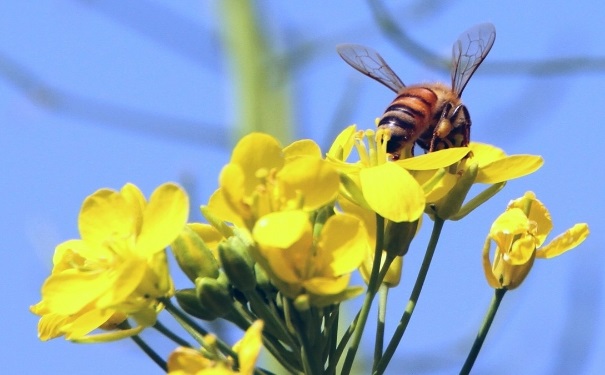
[(373, 284), (171, 335), (155, 357), (414, 295), (194, 329), (487, 322), (383, 293)]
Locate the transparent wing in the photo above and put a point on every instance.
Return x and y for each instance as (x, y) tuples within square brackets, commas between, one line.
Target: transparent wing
[(468, 53), (370, 63)]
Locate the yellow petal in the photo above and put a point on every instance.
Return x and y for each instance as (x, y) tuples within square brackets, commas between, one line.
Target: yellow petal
[(219, 206), (303, 147), (107, 337), (492, 280), (564, 242), (254, 152), (342, 246), (70, 291), (368, 218), (323, 286), (484, 153), (392, 192), (188, 361), (249, 348), (285, 240), (315, 179), (85, 323), (343, 144), (508, 168), (434, 160), (105, 214), (136, 200), (510, 222), (123, 279), (538, 213), (164, 218), (209, 234), (522, 250)]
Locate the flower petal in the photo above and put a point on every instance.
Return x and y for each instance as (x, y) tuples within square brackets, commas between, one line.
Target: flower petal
[(285, 241), (254, 152), (323, 286), (106, 214), (392, 192), (303, 147), (249, 348), (313, 178), (434, 160), (164, 218), (508, 168), (70, 291), (343, 144), (564, 242), (342, 246)]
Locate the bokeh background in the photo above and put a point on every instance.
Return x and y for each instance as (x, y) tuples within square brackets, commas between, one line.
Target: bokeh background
[(99, 93)]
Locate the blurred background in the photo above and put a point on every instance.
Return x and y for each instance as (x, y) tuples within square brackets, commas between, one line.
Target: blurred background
[(99, 93)]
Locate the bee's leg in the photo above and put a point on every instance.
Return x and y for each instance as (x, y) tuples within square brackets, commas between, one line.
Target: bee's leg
[(461, 120), (443, 127)]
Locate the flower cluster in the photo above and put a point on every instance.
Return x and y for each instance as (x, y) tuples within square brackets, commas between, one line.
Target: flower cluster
[(118, 269), (286, 230)]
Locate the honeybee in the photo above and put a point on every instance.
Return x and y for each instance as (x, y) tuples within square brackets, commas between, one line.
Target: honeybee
[(429, 114)]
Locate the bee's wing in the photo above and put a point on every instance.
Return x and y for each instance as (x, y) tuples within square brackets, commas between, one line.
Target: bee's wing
[(370, 63), (468, 53)]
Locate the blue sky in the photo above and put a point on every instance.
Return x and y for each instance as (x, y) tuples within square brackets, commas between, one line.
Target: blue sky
[(98, 93)]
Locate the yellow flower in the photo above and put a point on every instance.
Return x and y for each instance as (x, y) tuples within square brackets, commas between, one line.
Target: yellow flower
[(187, 361), (519, 234), (484, 164), (118, 269), (386, 188), (373, 183), (262, 178), (300, 264)]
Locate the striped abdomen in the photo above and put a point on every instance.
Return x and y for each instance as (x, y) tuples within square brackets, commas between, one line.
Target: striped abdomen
[(408, 116)]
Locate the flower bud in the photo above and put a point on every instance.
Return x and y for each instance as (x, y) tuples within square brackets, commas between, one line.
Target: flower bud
[(193, 256), (214, 295), (237, 263), (449, 205), (399, 236), (188, 301)]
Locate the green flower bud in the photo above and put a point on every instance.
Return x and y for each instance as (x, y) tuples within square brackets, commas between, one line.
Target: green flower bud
[(237, 263), (214, 295), (188, 301), (399, 236), (451, 203), (193, 256)]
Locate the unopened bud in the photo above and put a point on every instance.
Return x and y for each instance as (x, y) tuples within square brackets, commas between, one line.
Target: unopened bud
[(214, 295), (187, 299), (399, 236), (237, 263), (193, 256)]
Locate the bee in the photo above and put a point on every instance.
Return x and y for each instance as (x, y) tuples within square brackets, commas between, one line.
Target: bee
[(429, 114)]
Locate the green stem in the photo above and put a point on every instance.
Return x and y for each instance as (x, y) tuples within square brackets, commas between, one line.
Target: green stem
[(171, 335), (341, 346), (155, 357), (273, 322), (373, 284), (195, 330), (487, 322), (383, 293), (414, 295), (332, 333), (310, 351)]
